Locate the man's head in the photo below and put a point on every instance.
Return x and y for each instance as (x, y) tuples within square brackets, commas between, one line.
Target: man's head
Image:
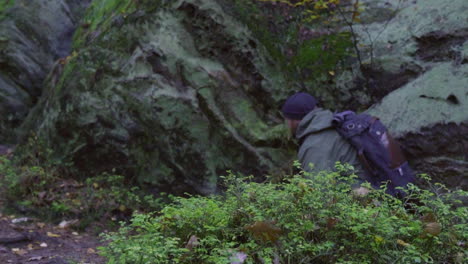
[(296, 107)]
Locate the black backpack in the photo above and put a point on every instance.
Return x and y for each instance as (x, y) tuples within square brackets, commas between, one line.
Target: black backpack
[(378, 152)]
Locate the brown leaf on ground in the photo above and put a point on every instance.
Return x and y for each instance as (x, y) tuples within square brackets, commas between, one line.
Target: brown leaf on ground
[(265, 230), (66, 224), (50, 234), (433, 228), (19, 251), (331, 222), (428, 217), (193, 242)]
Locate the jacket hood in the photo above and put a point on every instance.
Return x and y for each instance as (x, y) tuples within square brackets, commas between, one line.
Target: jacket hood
[(316, 120)]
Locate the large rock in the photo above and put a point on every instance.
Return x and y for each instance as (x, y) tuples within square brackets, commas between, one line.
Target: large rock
[(430, 116), (176, 92), (398, 41), (173, 93), (418, 66), (33, 35)]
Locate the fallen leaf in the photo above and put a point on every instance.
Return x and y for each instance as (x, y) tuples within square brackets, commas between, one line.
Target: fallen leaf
[(265, 230), (331, 222), (122, 208), (361, 191), (332, 73), (40, 225), (66, 224), (403, 243), (30, 246), (429, 217), (193, 242), (433, 228), (35, 258), (91, 251), (42, 195), (20, 220), (43, 245), (75, 234), (238, 258), (49, 234), (19, 251), (95, 185)]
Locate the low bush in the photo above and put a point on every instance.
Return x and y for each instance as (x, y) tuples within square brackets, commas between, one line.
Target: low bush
[(306, 219), (41, 191)]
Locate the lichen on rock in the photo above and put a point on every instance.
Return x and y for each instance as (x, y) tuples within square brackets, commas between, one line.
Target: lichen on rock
[(33, 35), (174, 95)]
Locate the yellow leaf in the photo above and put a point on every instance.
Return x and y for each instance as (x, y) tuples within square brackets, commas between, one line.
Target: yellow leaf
[(49, 234), (95, 185), (378, 239), (401, 242), (19, 251), (332, 73), (265, 230), (122, 208)]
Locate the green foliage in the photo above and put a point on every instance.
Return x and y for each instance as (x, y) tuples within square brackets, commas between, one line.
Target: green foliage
[(34, 183), (307, 219), (4, 5), (100, 15), (307, 39), (105, 14)]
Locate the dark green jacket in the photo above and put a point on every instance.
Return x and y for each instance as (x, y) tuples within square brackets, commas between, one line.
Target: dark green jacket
[(321, 145)]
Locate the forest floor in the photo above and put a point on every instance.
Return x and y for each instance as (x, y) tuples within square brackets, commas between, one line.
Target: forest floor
[(27, 240)]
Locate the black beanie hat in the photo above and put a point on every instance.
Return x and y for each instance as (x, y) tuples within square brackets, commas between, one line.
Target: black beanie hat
[(298, 105)]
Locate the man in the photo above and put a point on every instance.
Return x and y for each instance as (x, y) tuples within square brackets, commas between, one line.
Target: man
[(320, 144)]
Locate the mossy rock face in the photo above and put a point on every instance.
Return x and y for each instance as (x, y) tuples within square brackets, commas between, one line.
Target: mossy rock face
[(399, 41), (430, 116), (415, 75), (33, 35), (173, 93)]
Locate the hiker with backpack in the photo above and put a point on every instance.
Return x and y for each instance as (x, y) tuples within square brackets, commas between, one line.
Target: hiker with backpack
[(357, 139)]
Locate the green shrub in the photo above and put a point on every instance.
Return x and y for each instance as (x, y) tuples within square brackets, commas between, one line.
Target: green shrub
[(298, 221), (35, 182), (4, 6)]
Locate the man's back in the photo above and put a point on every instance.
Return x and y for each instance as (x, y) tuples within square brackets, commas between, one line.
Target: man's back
[(321, 145)]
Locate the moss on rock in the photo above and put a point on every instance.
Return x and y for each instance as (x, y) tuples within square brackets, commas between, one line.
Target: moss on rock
[(172, 93)]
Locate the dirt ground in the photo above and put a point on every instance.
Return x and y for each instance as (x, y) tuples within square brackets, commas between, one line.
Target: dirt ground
[(26, 240)]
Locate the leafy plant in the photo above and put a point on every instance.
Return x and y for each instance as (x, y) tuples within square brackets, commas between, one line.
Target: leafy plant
[(33, 182), (5, 5), (309, 218)]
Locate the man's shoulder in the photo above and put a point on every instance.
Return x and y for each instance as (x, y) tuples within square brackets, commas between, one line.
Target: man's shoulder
[(321, 138)]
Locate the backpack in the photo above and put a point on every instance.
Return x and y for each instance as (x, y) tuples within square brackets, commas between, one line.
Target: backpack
[(378, 152)]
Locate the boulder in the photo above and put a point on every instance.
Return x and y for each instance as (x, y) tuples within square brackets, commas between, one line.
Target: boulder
[(430, 116), (415, 62), (33, 35), (173, 93)]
